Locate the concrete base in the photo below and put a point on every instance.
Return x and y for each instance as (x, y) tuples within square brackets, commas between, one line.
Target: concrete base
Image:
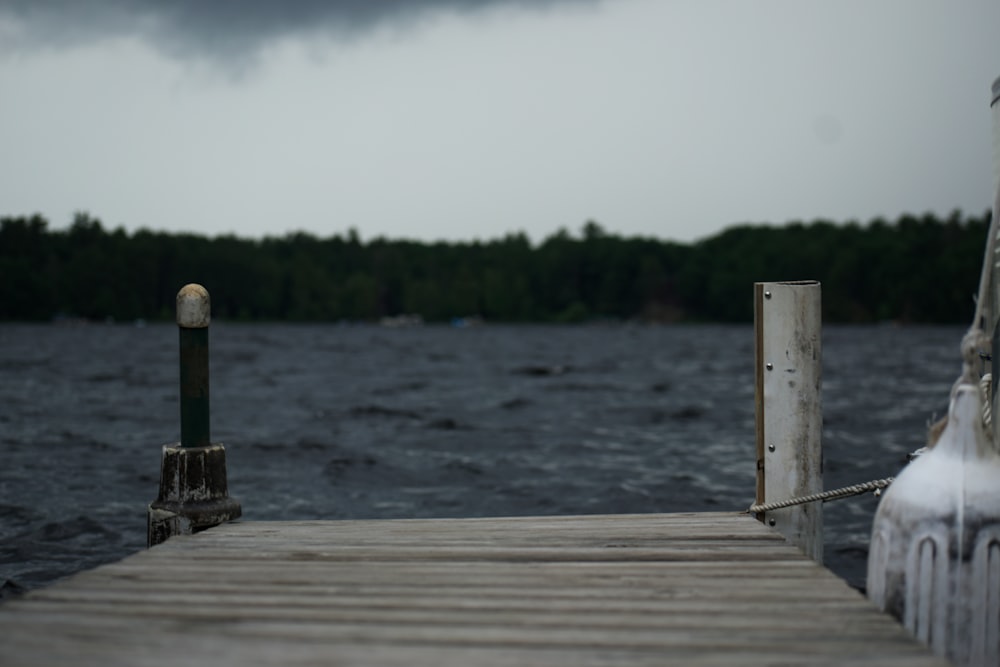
[(193, 493)]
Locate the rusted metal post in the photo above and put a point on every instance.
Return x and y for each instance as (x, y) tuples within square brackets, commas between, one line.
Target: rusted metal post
[(789, 414), (194, 492)]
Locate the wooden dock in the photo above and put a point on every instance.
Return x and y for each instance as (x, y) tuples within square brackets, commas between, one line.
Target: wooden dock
[(658, 589)]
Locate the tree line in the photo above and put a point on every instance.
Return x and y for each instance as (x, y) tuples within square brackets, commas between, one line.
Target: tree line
[(913, 269)]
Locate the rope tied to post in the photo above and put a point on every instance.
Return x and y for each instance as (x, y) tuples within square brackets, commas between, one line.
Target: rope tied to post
[(970, 346), (833, 494)]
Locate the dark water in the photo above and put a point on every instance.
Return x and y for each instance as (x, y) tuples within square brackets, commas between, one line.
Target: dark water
[(362, 422)]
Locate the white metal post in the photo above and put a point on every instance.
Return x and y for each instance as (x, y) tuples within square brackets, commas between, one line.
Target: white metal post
[(787, 323)]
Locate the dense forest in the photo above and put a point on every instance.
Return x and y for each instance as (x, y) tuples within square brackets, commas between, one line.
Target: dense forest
[(916, 269)]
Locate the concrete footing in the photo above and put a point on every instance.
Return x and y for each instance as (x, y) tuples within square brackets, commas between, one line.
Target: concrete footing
[(193, 493)]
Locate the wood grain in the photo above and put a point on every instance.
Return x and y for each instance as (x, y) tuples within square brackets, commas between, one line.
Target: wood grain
[(684, 589)]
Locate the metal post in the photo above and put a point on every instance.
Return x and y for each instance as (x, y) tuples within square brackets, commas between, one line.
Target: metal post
[(193, 317), (194, 492), (789, 414)]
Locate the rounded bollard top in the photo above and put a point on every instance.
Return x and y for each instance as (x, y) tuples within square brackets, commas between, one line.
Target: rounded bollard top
[(194, 307)]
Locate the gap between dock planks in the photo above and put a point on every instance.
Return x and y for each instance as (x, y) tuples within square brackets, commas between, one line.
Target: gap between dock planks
[(658, 589)]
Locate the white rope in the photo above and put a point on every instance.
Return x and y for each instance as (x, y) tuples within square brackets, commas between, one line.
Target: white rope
[(833, 494), (977, 339), (989, 257), (984, 385)]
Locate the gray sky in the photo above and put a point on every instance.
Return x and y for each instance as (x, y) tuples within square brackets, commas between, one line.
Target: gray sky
[(454, 119)]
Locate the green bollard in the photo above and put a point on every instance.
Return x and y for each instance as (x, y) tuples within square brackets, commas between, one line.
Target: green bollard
[(193, 493), (193, 316)]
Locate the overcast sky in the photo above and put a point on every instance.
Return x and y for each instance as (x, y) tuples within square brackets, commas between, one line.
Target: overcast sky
[(452, 119)]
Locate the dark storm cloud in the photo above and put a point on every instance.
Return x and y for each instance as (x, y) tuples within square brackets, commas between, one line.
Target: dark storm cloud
[(219, 27)]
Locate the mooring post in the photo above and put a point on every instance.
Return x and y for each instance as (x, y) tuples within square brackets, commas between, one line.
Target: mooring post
[(194, 492), (193, 317), (789, 416)]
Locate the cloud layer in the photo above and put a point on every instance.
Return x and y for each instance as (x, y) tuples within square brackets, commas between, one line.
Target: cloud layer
[(220, 28)]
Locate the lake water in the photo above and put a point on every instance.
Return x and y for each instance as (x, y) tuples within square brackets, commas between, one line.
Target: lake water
[(328, 421)]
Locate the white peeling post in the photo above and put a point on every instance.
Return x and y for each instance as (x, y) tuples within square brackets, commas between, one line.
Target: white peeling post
[(787, 323)]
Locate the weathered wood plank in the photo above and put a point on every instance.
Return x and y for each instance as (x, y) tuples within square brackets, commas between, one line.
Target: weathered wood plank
[(710, 589)]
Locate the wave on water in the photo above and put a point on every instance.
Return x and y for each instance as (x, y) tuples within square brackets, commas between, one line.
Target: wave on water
[(336, 422)]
